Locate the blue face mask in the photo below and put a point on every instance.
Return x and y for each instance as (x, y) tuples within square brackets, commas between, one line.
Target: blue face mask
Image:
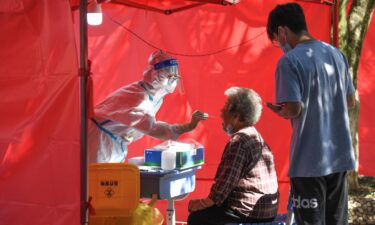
[(228, 129), (286, 47)]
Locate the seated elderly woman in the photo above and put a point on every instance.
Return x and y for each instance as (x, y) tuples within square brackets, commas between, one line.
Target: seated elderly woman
[(245, 189)]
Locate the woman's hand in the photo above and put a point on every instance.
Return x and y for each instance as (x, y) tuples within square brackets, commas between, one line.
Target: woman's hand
[(196, 117), (194, 120)]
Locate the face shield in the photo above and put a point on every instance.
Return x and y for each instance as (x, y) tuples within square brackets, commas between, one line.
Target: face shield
[(168, 75), (162, 74)]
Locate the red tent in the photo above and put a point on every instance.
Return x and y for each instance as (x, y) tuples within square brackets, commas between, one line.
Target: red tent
[(217, 47)]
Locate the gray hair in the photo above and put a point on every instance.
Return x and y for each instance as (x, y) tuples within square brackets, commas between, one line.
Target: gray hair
[(244, 102)]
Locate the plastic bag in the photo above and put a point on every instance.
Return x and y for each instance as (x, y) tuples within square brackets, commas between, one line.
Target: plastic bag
[(147, 214)]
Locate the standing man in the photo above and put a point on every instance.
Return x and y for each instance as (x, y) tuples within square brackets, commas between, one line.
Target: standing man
[(314, 91)]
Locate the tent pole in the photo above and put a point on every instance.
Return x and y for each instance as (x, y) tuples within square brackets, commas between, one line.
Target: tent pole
[(83, 72)]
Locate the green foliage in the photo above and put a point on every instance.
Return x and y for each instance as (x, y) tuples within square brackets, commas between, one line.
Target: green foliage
[(352, 30)]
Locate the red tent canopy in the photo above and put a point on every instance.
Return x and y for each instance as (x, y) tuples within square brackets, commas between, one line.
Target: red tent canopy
[(166, 7)]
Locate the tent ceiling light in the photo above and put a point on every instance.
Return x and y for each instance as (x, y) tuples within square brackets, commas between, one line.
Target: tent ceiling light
[(94, 13)]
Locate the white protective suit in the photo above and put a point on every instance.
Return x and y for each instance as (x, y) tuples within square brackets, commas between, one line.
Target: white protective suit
[(129, 112)]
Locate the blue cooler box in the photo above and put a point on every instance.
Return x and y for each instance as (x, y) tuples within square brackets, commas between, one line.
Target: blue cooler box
[(184, 159)]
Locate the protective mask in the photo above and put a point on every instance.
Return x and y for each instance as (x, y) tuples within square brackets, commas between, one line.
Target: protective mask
[(171, 86), (229, 123), (229, 129), (286, 47)]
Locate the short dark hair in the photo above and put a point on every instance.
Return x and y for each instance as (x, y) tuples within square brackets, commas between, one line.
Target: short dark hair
[(290, 15)]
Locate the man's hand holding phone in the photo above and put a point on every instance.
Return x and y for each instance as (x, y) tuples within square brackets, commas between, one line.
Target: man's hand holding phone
[(286, 110), (274, 107)]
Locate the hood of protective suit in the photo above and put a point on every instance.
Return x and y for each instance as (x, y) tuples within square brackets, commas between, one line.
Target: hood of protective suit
[(157, 74)]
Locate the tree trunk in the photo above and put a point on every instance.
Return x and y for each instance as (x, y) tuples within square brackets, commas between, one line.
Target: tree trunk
[(352, 31), (353, 118)]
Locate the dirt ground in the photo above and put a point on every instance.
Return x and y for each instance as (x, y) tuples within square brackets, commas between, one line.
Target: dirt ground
[(362, 202)]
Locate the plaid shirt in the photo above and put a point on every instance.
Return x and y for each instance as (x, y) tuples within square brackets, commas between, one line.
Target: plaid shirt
[(245, 180)]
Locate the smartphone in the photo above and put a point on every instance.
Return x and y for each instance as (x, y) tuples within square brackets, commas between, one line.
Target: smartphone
[(275, 107)]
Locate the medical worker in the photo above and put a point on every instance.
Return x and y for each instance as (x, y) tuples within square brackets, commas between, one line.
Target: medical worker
[(129, 112)]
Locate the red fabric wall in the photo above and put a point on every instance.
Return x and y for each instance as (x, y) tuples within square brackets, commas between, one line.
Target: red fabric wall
[(39, 134), (366, 89), (39, 115)]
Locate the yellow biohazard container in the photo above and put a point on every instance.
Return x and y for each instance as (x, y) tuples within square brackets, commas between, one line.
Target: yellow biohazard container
[(115, 190)]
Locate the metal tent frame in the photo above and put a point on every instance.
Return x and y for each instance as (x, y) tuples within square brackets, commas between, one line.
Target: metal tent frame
[(84, 72)]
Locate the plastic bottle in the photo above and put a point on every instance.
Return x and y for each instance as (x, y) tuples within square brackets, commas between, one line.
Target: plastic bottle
[(168, 160)]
